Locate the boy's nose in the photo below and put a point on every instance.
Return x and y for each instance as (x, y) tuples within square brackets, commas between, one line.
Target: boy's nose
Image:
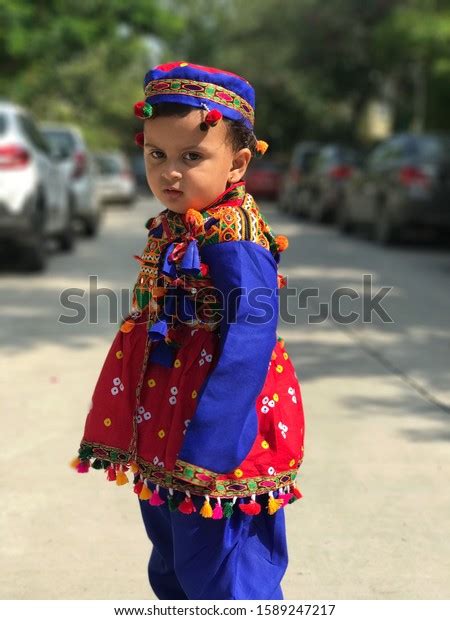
[(171, 175)]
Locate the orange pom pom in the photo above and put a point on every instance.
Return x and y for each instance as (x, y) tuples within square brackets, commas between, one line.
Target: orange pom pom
[(282, 242), (75, 462), (261, 146), (193, 218)]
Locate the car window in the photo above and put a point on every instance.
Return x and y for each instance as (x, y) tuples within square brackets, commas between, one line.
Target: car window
[(108, 165), (384, 153), (62, 141), (34, 135), (429, 148), (3, 124)]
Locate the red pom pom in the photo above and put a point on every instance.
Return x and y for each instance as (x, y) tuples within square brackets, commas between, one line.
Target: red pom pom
[(252, 508), (204, 269), (138, 486), (213, 117), (111, 473), (142, 109), (297, 493), (139, 138), (187, 506)]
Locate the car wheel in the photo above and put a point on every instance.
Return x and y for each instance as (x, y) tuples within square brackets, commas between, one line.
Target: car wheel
[(34, 256), (343, 220), (317, 214), (130, 202), (91, 226), (66, 239), (384, 230)]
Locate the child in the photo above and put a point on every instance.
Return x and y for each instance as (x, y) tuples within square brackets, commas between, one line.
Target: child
[(197, 395)]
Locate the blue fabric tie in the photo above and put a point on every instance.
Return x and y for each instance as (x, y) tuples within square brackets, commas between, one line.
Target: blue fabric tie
[(190, 264)]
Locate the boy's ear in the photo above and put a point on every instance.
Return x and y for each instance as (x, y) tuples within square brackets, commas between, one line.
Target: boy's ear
[(241, 160)]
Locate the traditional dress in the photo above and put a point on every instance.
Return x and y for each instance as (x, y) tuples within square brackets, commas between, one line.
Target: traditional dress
[(198, 399), (197, 393)]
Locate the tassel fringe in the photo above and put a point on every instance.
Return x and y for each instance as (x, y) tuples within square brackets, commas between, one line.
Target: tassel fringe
[(222, 509), (206, 510)]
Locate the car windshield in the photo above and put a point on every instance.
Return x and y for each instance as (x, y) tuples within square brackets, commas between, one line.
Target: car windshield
[(429, 148), (62, 140), (2, 124), (108, 165)]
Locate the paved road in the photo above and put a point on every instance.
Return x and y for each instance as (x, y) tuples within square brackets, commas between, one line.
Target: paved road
[(373, 523)]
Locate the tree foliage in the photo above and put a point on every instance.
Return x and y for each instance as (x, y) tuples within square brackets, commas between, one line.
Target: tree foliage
[(315, 64)]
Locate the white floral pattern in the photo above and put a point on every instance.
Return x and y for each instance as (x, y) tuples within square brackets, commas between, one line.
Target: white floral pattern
[(267, 404), (142, 415), (117, 385), (283, 428), (205, 356)]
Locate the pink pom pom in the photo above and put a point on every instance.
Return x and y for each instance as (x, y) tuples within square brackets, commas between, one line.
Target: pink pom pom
[(217, 512), (83, 467), (156, 499), (286, 497)]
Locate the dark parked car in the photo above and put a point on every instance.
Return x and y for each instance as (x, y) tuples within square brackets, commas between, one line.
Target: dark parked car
[(323, 187), (404, 185), (263, 179), (302, 158)]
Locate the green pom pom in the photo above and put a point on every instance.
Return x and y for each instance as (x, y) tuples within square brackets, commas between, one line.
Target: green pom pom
[(85, 452), (97, 464), (173, 503), (106, 464), (147, 110), (292, 500), (227, 509)]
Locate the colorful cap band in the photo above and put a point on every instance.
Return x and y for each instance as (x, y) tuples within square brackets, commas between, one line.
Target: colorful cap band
[(197, 86)]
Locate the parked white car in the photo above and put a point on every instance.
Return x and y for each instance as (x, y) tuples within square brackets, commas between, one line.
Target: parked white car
[(78, 165), (34, 200), (115, 179)]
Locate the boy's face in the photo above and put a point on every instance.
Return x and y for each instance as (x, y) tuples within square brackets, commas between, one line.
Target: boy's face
[(187, 168)]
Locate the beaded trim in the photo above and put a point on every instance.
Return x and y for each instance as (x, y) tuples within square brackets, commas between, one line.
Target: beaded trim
[(203, 90), (244, 487)]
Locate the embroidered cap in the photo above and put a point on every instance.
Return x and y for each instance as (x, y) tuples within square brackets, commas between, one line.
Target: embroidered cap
[(202, 87)]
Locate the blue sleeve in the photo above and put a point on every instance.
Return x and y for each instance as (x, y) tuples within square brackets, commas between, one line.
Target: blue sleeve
[(224, 426)]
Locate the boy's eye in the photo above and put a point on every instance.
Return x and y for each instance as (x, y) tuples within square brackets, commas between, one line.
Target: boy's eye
[(192, 156), (156, 154)]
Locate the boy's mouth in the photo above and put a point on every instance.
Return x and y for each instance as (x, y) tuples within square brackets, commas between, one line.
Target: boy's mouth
[(172, 192)]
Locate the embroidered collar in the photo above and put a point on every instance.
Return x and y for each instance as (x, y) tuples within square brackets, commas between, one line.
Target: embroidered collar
[(233, 195)]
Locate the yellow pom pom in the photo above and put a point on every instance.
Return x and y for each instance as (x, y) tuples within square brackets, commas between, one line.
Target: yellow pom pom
[(145, 492), (282, 242), (75, 462), (274, 505), (206, 510), (134, 468), (261, 146), (121, 478)]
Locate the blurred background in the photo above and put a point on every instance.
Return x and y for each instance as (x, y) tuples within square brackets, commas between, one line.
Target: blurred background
[(353, 98)]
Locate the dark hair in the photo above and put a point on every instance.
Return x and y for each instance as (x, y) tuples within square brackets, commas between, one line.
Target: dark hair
[(239, 134)]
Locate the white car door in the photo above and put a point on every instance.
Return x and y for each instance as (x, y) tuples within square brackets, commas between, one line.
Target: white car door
[(50, 178)]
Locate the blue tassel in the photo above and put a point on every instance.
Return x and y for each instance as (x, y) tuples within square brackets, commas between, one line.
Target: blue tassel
[(186, 309), (158, 330), (190, 264), (169, 269)]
